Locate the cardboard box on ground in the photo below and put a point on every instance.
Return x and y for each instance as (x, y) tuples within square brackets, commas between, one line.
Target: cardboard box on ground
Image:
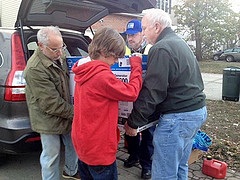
[(122, 71), (195, 156)]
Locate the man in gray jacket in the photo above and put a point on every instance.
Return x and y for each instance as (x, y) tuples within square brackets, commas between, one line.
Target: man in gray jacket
[(172, 87), (48, 99)]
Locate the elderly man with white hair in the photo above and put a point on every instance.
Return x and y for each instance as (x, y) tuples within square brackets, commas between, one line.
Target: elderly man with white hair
[(173, 87)]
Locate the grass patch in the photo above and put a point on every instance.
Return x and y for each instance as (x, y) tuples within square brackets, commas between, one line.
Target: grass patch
[(223, 122), (216, 67)]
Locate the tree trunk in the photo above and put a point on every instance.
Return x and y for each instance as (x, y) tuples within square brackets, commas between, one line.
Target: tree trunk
[(198, 44)]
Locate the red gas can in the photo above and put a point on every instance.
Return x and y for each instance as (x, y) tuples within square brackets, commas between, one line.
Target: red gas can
[(214, 168)]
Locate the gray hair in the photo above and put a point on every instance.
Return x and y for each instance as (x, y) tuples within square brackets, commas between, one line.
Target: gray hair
[(158, 15), (43, 34)]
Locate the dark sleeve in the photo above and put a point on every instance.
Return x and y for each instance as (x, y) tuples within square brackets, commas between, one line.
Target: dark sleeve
[(154, 90)]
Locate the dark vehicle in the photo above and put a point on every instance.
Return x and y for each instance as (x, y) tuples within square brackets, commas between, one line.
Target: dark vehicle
[(217, 55), (231, 55), (17, 45)]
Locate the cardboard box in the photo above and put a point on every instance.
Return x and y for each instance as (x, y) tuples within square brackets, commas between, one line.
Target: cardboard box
[(122, 71), (71, 60), (195, 155)]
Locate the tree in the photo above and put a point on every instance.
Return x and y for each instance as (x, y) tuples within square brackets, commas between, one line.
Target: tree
[(210, 23)]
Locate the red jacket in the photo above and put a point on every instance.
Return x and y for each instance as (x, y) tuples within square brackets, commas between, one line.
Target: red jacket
[(97, 92)]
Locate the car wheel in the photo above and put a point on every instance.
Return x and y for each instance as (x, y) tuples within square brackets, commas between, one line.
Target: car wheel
[(216, 58), (229, 59)]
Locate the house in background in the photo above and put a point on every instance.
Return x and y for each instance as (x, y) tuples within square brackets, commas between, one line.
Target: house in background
[(8, 12), (115, 21)]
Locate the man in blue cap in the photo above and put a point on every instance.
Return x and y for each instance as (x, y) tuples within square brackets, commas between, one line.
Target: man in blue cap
[(134, 38), (140, 148)]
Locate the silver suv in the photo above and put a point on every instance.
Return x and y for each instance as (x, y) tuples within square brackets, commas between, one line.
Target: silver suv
[(231, 55), (18, 44)]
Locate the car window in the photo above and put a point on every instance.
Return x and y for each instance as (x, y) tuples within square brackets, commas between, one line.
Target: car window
[(32, 46), (75, 47), (237, 50), (83, 53), (228, 50)]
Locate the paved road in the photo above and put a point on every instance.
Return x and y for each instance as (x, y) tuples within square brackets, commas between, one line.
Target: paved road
[(213, 85), (26, 167)]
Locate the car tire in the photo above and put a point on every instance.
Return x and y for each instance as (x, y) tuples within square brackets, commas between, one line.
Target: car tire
[(229, 58), (216, 58)]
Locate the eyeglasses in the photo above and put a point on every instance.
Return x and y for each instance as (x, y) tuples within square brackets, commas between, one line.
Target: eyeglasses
[(57, 50)]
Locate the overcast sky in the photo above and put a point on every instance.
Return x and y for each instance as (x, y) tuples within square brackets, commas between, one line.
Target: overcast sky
[(235, 5)]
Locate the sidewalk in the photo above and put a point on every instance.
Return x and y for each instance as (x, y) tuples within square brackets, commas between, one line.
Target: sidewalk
[(134, 173), (212, 85), (213, 90)]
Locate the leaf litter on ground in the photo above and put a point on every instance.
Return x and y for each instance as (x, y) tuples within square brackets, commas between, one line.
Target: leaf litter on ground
[(223, 127)]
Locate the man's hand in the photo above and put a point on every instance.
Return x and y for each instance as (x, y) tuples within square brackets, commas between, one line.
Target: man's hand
[(130, 131), (137, 54)]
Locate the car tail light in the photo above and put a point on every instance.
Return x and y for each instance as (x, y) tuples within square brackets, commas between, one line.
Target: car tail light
[(15, 84)]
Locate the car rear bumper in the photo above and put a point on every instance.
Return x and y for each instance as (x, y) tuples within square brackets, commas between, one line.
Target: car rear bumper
[(20, 142)]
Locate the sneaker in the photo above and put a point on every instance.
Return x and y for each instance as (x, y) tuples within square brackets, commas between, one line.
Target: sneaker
[(131, 162), (75, 177)]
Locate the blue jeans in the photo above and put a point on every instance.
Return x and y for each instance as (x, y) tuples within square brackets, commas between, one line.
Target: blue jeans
[(100, 172), (173, 140), (50, 156)]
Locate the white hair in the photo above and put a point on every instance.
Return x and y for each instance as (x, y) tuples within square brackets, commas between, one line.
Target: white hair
[(43, 34), (158, 15)]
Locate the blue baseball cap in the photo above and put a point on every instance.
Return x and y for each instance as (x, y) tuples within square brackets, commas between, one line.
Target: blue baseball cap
[(134, 26)]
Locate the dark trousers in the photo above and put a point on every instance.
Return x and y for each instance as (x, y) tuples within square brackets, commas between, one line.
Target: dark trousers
[(88, 172), (141, 147)]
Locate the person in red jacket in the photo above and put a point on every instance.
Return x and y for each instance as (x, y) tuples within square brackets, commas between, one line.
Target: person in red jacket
[(97, 91)]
